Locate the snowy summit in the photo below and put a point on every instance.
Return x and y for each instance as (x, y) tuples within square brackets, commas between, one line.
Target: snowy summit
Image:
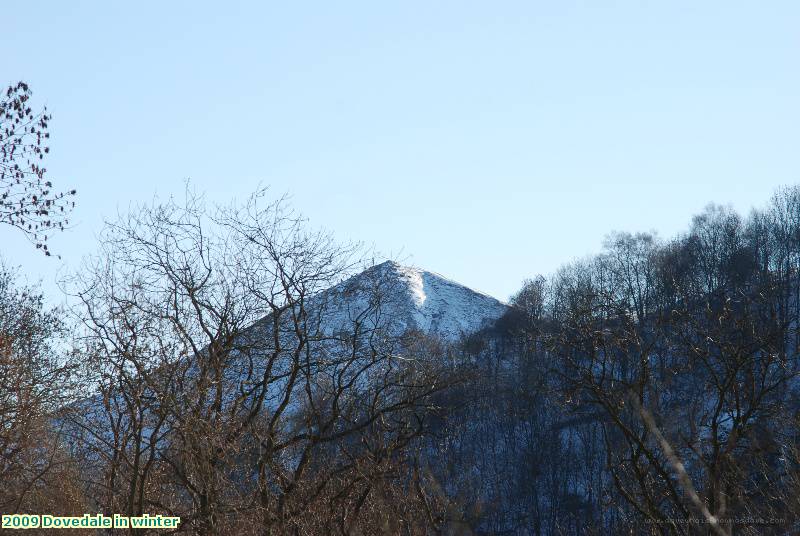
[(410, 299)]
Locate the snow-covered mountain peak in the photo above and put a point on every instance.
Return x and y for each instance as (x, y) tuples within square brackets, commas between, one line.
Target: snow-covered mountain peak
[(409, 298)]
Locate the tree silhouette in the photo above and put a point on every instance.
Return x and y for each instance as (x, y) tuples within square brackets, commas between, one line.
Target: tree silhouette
[(27, 199)]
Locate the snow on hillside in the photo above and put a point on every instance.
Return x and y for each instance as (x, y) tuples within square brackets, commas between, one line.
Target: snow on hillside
[(407, 298)]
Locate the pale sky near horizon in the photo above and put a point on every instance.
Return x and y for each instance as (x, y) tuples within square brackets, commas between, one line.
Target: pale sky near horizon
[(487, 141)]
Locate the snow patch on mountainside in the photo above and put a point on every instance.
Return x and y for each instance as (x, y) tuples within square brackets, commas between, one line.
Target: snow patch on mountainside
[(416, 283)]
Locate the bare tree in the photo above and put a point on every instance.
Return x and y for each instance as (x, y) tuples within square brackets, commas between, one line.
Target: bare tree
[(230, 393), (27, 199), (36, 382)]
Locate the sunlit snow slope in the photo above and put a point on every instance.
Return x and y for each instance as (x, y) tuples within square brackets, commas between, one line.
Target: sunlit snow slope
[(410, 298)]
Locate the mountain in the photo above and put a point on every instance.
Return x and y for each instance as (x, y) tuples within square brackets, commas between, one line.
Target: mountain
[(386, 298), (407, 298)]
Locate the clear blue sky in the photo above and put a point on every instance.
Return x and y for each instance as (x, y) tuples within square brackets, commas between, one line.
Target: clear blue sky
[(488, 141)]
